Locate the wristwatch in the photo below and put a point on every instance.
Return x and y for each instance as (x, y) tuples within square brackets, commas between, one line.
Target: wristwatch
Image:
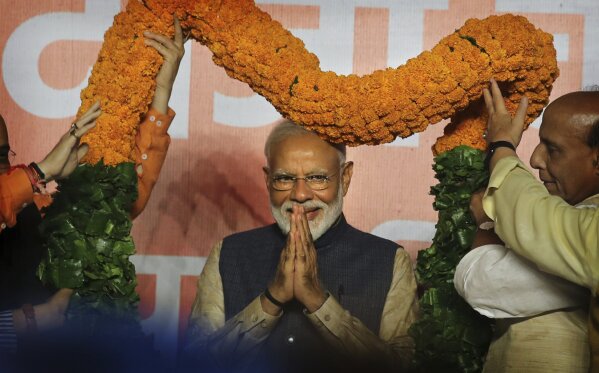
[(494, 146)]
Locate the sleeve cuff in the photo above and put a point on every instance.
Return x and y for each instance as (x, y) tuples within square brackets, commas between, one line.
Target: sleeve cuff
[(159, 123), (329, 315), (253, 318)]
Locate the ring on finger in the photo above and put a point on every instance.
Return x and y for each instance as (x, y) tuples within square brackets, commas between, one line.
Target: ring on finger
[(73, 132)]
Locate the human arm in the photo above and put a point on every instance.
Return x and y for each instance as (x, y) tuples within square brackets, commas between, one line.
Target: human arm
[(231, 343), (17, 186), (48, 316), (498, 283), (393, 344), (559, 238), (152, 140)]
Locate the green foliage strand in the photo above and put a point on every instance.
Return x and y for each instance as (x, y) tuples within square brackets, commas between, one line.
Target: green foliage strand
[(450, 336)]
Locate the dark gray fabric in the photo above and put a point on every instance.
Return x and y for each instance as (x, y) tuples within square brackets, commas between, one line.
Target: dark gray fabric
[(355, 267)]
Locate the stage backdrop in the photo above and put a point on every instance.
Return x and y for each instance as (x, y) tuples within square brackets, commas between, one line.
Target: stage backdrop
[(211, 184)]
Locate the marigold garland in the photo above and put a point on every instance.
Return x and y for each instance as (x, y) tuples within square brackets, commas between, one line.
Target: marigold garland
[(373, 109), (123, 79)]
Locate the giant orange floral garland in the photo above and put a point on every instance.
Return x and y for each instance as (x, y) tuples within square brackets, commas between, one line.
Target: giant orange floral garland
[(445, 82)]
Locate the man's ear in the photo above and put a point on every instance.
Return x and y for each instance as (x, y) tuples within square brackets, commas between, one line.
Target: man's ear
[(346, 177)]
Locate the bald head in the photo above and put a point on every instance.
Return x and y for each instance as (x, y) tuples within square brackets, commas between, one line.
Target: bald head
[(581, 111)]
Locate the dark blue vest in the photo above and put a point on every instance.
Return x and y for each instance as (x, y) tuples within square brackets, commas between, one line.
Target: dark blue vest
[(355, 267)]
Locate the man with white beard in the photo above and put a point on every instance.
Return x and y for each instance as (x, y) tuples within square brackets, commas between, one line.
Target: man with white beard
[(309, 293)]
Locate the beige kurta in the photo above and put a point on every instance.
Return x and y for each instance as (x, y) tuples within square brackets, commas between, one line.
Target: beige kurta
[(555, 342), (561, 239)]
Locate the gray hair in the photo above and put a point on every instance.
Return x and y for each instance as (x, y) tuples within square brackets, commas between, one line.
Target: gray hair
[(591, 88), (287, 129)]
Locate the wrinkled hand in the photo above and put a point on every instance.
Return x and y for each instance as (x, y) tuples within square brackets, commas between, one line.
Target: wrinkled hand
[(66, 154), (172, 52), (306, 287), (501, 126)]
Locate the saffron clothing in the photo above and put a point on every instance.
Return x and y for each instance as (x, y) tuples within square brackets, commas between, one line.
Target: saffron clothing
[(151, 145)]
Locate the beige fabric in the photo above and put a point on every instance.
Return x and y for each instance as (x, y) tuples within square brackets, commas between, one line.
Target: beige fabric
[(555, 342), (560, 238), (240, 336)]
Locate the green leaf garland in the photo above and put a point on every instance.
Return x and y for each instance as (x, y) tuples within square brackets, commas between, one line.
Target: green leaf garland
[(87, 232), (450, 336)]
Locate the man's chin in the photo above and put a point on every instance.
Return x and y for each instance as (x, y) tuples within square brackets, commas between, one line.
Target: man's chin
[(551, 188)]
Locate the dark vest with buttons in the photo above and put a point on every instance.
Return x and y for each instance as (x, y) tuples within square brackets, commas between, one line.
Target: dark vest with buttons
[(354, 267), (21, 249)]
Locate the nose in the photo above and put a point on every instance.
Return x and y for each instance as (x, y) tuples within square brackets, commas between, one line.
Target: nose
[(301, 192), (538, 157)]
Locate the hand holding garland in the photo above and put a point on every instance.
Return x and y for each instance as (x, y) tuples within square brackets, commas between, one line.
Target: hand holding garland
[(66, 154), (501, 126), (172, 51)]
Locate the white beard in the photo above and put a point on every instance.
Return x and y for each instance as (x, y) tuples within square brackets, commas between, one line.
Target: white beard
[(325, 219)]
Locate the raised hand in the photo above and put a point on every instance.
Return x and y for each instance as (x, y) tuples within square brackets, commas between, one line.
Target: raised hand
[(66, 154), (306, 286), (172, 51), (501, 126)]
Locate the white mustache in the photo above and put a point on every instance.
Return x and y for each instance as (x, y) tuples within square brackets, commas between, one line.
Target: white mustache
[(287, 206)]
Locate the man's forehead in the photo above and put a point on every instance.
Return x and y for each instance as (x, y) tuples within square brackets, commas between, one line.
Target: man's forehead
[(305, 147)]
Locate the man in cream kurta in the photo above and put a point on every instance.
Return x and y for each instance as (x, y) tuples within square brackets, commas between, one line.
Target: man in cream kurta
[(540, 222), (311, 278)]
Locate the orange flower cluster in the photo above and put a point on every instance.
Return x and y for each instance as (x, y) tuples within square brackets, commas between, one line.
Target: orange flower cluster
[(445, 82), (123, 80)]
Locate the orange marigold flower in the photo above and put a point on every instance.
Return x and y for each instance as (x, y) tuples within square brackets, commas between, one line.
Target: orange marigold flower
[(446, 82)]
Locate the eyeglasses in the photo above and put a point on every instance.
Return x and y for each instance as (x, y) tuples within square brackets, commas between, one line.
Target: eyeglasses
[(315, 182)]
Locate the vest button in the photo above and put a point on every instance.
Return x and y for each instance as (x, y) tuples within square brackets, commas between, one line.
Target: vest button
[(327, 318), (290, 339)]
